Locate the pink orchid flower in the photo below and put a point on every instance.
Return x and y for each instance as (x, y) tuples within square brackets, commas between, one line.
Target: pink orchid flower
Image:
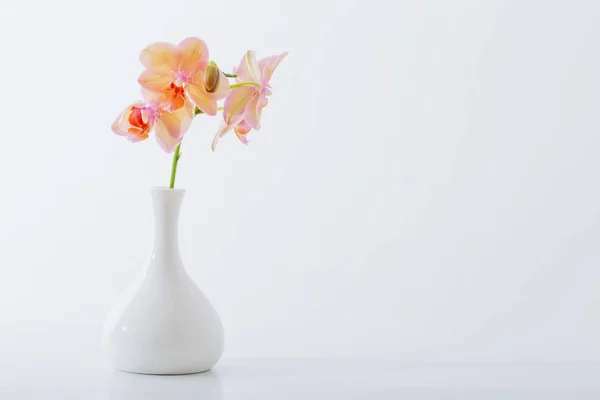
[(139, 118), (177, 72), (243, 106)]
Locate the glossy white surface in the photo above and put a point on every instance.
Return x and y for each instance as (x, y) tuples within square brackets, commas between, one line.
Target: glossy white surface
[(164, 324), (289, 379), (65, 362)]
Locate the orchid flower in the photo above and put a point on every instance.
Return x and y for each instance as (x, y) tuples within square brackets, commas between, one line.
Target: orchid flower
[(243, 106), (183, 71), (139, 118), (179, 82)]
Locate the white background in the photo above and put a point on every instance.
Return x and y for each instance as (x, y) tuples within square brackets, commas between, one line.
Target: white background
[(424, 187)]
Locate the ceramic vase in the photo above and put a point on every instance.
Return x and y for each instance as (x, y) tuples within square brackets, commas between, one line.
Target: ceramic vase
[(164, 324)]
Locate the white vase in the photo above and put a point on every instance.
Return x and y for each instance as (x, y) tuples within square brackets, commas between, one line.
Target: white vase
[(164, 324)]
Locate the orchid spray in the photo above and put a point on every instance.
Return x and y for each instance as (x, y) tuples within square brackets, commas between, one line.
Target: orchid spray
[(180, 82)]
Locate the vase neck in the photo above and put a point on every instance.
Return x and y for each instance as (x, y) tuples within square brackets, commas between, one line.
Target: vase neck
[(166, 204)]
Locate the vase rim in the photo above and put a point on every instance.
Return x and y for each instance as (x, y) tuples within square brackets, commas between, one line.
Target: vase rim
[(166, 189)]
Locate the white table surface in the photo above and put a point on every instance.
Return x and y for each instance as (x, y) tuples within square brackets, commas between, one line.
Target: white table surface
[(312, 379), (67, 365)]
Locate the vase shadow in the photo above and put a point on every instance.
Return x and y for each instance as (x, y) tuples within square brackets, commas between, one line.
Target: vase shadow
[(129, 386)]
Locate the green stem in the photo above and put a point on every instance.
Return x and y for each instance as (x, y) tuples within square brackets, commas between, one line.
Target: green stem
[(198, 111), (177, 154), (230, 75), (176, 157), (247, 83)]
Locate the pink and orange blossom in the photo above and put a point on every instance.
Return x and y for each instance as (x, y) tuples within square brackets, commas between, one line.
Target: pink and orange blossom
[(179, 82), (183, 71), (243, 106), (133, 123), (138, 119)]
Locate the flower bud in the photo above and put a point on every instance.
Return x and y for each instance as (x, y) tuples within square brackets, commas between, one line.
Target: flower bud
[(212, 76)]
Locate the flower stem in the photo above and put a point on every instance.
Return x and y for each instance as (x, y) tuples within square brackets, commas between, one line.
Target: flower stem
[(198, 111), (230, 75), (177, 154), (176, 157), (247, 83)]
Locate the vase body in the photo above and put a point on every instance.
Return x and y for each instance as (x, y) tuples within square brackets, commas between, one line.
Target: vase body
[(164, 324)]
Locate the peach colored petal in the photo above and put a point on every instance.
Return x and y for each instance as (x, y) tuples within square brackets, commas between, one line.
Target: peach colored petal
[(248, 69), (158, 54), (262, 103), (267, 66), (188, 111), (185, 116), (165, 141), (152, 97), (137, 135), (243, 127), (242, 137), (116, 126), (175, 124), (223, 130), (170, 127), (123, 122), (205, 101), (252, 111), (133, 123), (236, 102), (241, 130), (155, 79), (194, 55)]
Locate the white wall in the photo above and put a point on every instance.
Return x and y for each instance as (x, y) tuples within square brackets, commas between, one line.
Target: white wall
[(425, 185)]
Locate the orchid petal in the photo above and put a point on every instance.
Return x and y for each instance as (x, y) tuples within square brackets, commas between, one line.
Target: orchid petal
[(165, 141), (252, 112), (194, 55), (170, 127), (152, 97), (236, 102), (158, 54), (241, 130), (223, 129), (155, 79), (116, 126), (242, 137), (248, 69), (133, 123), (175, 123), (205, 101), (243, 127), (267, 66)]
